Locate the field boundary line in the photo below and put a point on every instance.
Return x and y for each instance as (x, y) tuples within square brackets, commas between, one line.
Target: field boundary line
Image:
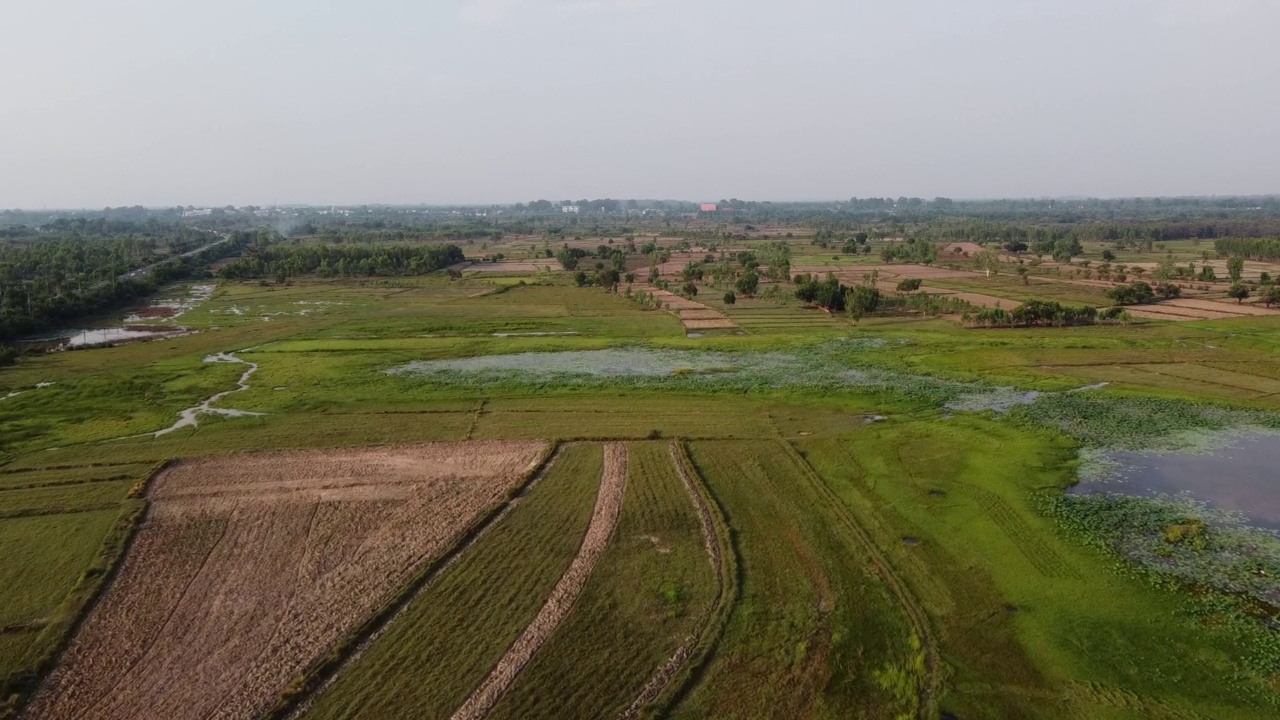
[(914, 610), (564, 596), (40, 512), (686, 663), (16, 471), (93, 585), (66, 483), (296, 698), (475, 418)]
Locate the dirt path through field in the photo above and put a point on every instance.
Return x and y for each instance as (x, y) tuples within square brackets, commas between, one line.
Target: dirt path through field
[(565, 594), (248, 568)]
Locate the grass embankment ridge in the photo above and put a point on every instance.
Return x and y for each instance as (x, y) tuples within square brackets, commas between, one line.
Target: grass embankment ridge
[(300, 690), (82, 599)]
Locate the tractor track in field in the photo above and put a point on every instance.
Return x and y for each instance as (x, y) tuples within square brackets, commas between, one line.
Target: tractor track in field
[(707, 630), (563, 597), (914, 610), (1040, 554)]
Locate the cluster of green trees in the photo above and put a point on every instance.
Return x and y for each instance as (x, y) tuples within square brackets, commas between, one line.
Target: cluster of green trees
[(570, 257), (1041, 313), (1251, 248), (50, 279), (1138, 292), (830, 295), (850, 243), (281, 261), (912, 251)]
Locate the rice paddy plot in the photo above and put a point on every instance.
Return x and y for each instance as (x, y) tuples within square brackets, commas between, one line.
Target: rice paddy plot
[(53, 562), (432, 655), (643, 601), (813, 629)]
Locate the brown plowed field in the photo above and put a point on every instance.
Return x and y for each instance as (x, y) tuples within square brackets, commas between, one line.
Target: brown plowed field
[(706, 314), (249, 568), (1162, 311), (560, 603), (722, 323), (1225, 306)]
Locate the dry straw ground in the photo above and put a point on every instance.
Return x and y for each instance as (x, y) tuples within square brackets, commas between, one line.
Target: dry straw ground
[(250, 567)]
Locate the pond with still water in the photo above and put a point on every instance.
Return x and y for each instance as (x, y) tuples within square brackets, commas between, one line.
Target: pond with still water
[(1241, 476)]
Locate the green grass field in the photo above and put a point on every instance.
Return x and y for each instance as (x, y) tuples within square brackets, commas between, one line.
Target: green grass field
[(888, 558), (647, 595)]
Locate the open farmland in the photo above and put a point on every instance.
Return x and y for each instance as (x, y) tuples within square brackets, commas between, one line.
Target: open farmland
[(808, 515), (231, 588)]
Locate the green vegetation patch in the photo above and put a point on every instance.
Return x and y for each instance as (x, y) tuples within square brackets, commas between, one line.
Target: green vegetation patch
[(1032, 622), (814, 634), (1137, 423), (642, 602)]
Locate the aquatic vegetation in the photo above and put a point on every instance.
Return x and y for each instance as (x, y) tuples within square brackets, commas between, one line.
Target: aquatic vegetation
[(1134, 423)]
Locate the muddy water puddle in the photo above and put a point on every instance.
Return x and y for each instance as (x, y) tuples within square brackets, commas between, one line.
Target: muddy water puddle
[(153, 322), (1241, 476)]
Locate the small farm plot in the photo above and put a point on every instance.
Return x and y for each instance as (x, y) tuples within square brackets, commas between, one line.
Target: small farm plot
[(813, 627), (434, 654), (249, 568), (645, 602)]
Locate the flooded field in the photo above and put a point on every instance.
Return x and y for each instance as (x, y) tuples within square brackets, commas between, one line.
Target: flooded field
[(155, 321), (1242, 476)]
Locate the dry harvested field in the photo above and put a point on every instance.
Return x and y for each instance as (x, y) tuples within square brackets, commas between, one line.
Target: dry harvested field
[(507, 266), (561, 601), (693, 315), (1226, 306), (1183, 309), (249, 568)]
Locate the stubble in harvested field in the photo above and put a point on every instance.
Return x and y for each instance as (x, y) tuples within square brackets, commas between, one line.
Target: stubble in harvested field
[(453, 632), (565, 594), (249, 568)]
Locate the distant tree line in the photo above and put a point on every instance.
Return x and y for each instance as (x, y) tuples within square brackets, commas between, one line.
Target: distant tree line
[(286, 260), (1249, 248), (50, 282)]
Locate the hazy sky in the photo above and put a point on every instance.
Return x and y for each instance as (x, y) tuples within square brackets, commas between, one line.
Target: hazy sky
[(165, 102)]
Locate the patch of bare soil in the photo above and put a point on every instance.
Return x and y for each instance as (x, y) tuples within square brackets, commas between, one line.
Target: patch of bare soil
[(565, 594), (1159, 311), (693, 314), (1223, 306), (249, 568), (720, 324), (707, 314)]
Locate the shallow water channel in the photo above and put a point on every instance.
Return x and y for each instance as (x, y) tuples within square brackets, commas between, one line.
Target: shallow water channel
[(1243, 476)]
